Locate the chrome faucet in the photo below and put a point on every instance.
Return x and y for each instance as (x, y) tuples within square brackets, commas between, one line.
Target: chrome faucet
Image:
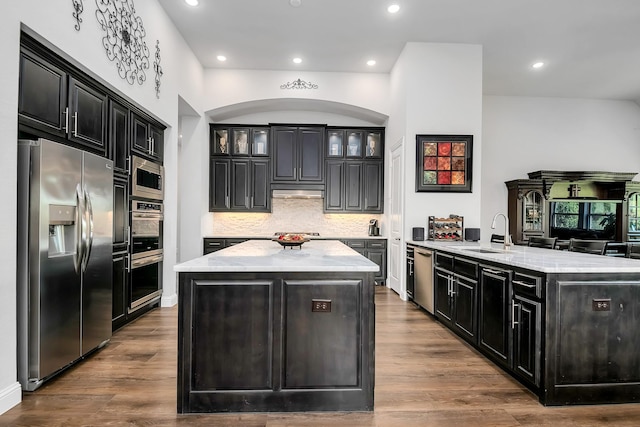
[(507, 237)]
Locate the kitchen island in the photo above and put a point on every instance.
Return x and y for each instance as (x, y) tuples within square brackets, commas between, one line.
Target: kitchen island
[(564, 324), (266, 328)]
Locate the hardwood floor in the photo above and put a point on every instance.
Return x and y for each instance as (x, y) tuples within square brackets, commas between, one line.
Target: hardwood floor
[(425, 376)]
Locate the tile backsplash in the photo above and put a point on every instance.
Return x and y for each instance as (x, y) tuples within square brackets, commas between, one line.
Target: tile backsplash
[(294, 215)]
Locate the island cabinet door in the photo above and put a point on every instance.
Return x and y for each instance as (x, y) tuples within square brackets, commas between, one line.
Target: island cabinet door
[(322, 334), (231, 334), (526, 339), (494, 332)]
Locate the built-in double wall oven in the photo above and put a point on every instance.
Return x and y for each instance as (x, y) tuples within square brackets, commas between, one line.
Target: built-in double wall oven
[(146, 233)]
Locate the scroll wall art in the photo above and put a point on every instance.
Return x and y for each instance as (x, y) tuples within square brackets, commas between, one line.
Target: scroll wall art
[(123, 40), (444, 163)]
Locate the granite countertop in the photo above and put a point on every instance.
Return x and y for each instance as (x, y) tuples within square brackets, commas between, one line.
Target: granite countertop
[(266, 255), (537, 259)]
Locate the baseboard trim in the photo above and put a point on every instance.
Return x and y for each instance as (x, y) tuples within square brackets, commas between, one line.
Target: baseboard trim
[(169, 300), (10, 397)]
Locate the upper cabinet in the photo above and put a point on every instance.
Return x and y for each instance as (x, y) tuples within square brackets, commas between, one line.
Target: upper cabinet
[(119, 137), (52, 100), (298, 154), (239, 169), (354, 170), (147, 139)]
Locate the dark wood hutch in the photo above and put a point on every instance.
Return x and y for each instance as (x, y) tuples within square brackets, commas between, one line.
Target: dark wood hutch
[(530, 201)]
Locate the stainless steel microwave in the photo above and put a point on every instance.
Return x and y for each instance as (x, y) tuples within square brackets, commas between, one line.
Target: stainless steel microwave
[(147, 179)]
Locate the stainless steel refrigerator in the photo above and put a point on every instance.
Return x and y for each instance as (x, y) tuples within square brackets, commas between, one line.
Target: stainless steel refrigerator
[(65, 215)]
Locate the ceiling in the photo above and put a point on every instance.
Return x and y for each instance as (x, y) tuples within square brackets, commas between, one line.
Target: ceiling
[(591, 47)]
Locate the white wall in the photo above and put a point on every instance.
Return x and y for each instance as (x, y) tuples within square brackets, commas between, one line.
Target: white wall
[(53, 21), (522, 135), (227, 87), (442, 87)]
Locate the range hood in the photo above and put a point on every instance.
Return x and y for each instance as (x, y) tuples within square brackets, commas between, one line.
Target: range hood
[(297, 194)]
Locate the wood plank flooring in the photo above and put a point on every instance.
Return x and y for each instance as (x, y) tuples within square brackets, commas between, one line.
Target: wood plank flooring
[(425, 376)]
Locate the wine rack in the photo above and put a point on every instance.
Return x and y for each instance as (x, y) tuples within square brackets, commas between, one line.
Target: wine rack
[(445, 228)]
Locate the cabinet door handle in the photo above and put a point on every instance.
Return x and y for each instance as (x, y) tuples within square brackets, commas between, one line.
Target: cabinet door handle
[(453, 293), (75, 124), (513, 314), (488, 270), (127, 263), (127, 239), (66, 120), (521, 283)]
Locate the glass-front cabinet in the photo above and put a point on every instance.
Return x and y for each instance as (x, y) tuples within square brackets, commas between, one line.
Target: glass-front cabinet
[(633, 217), (533, 212)]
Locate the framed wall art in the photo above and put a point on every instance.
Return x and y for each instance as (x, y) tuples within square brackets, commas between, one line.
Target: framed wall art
[(444, 163)]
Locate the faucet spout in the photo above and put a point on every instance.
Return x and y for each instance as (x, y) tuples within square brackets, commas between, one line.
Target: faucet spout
[(507, 236)]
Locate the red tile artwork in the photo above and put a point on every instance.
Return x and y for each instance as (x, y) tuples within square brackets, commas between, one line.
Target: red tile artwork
[(444, 163)]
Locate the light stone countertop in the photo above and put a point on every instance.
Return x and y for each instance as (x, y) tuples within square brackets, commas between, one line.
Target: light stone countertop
[(266, 256), (537, 259)]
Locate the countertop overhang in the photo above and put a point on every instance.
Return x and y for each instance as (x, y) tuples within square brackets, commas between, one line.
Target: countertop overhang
[(537, 259), (270, 256)]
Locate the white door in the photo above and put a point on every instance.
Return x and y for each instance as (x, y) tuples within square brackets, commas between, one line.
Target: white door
[(396, 220)]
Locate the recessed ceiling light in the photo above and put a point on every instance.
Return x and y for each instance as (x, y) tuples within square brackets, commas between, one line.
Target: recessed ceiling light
[(221, 58), (371, 62), (538, 65), (191, 2), (394, 8), (295, 3), (297, 60)]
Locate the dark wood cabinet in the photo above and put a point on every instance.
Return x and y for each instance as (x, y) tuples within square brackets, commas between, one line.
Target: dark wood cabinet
[(219, 184), (373, 187), (52, 100), (375, 250), (120, 215), (353, 194), (240, 169), (147, 139), (42, 94), (119, 292), (239, 185), (298, 154), (527, 339), (353, 184), (456, 292), (119, 137), (87, 115), (494, 334), (334, 193)]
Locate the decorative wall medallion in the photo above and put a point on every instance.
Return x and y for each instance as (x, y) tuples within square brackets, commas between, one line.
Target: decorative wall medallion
[(78, 8), (157, 68), (299, 84), (124, 39)]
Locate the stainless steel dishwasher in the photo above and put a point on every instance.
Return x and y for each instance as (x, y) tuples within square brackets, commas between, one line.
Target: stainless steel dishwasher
[(423, 292)]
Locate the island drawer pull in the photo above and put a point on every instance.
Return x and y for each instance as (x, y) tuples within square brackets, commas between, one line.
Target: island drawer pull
[(499, 272), (526, 285)]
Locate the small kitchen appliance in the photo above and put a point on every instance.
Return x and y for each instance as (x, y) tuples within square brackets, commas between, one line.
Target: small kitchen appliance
[(374, 230)]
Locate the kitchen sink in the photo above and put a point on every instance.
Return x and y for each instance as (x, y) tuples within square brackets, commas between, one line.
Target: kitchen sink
[(484, 251)]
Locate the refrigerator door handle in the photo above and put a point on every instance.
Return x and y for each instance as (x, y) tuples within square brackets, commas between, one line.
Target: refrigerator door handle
[(78, 255), (89, 237)]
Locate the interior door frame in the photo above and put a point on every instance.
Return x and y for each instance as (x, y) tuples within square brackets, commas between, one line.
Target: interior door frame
[(397, 257)]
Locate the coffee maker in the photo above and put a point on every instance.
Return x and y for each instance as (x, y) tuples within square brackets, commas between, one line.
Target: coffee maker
[(374, 230)]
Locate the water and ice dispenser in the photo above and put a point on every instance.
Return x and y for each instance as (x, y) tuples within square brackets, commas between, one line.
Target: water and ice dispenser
[(62, 230)]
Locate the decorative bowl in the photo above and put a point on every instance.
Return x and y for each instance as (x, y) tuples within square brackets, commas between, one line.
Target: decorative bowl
[(290, 243)]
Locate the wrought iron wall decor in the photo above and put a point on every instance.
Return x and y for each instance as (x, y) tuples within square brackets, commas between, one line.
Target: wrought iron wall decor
[(299, 84), (157, 68), (78, 8), (124, 39)]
